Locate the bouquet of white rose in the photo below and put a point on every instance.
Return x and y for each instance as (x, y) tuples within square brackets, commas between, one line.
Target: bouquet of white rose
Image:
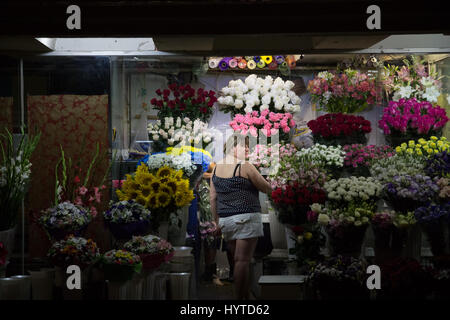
[(258, 94), (181, 132)]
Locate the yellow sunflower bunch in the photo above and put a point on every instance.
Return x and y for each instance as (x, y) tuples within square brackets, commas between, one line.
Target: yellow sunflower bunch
[(156, 190), (424, 147)]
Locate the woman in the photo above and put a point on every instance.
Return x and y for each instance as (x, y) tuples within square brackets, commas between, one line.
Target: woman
[(234, 196)]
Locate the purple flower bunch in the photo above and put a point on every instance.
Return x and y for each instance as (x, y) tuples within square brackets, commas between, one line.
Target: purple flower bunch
[(438, 165), (432, 213), (418, 188), (419, 117)]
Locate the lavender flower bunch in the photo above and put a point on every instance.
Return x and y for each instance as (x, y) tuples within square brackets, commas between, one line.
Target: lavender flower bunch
[(417, 187), (340, 268), (438, 165)]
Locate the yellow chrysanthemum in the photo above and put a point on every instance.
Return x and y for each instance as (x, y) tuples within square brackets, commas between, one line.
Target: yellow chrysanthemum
[(398, 149), (411, 143), (403, 145), (422, 141), (430, 151), (434, 138), (419, 153), (410, 151), (433, 145)]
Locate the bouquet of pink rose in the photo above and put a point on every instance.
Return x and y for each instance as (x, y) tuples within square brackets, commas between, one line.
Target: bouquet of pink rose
[(358, 157), (269, 123), (409, 120), (347, 92)]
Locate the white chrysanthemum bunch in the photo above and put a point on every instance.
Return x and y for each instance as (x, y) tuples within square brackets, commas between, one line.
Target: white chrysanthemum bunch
[(259, 94), (178, 162), (353, 189), (322, 155)]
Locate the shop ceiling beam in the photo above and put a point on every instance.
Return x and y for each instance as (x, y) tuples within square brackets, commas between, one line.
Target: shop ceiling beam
[(151, 18)]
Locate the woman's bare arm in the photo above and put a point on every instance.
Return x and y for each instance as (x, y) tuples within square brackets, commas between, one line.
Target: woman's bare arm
[(213, 202), (257, 179)]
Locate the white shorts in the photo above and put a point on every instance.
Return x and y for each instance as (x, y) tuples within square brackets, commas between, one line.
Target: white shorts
[(241, 226)]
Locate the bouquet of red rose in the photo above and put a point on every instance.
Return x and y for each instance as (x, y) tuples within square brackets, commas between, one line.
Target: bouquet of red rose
[(184, 101), (339, 129), (293, 201)]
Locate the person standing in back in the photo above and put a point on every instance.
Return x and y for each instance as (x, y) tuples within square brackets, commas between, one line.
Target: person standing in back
[(234, 197)]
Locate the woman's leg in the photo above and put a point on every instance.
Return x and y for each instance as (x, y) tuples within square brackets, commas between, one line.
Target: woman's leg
[(242, 258), (231, 249)]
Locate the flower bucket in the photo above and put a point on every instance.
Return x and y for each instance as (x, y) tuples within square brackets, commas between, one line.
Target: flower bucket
[(389, 243), (436, 237), (127, 231), (179, 238), (120, 273), (42, 285), (329, 288), (291, 240), (7, 237), (346, 241)]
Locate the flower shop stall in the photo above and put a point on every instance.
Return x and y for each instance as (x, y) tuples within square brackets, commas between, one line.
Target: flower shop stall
[(358, 163)]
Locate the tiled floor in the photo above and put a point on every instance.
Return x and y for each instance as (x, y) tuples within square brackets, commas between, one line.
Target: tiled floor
[(210, 291)]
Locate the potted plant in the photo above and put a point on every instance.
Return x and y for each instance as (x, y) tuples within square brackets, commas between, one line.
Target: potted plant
[(64, 219), (127, 218)]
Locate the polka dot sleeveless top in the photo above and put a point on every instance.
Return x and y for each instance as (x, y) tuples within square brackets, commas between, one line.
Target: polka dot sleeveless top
[(235, 195)]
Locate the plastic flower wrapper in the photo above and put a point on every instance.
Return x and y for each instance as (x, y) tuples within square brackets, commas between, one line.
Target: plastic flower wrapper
[(384, 170), (330, 158), (424, 148), (178, 131), (339, 129), (358, 157), (73, 251), (259, 94), (63, 219), (413, 80), (184, 101), (120, 265), (152, 250), (438, 165), (344, 190), (410, 119), (198, 156), (346, 92), (406, 193)]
